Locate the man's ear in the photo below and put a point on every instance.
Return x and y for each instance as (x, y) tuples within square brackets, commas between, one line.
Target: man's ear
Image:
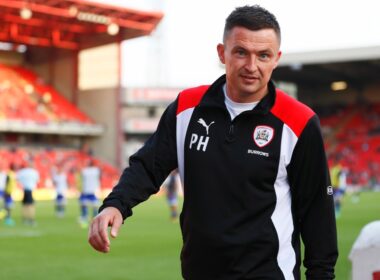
[(277, 59), (220, 49)]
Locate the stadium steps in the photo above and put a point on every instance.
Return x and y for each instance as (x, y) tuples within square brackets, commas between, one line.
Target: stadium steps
[(25, 99), (332, 137)]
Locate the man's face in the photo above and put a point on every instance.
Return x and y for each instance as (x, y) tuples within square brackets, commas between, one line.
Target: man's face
[(250, 58)]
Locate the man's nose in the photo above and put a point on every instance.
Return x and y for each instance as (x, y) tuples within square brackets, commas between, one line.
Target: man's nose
[(251, 64)]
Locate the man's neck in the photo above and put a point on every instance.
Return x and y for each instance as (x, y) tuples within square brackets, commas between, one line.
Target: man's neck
[(246, 97)]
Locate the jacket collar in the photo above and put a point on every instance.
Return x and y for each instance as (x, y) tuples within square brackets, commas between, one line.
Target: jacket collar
[(214, 97)]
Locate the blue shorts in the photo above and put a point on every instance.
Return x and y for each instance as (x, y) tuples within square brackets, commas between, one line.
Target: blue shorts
[(8, 201), (60, 199), (172, 198), (88, 200), (338, 193)]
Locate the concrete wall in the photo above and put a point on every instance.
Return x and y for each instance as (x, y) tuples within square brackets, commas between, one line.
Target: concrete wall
[(100, 105), (64, 75), (372, 92), (98, 67), (11, 58), (369, 93), (58, 72), (327, 97)]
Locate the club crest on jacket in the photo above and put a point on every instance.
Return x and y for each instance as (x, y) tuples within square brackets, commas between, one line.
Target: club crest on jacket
[(263, 135)]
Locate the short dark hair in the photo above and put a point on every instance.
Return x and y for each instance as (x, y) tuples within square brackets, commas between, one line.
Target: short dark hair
[(253, 18)]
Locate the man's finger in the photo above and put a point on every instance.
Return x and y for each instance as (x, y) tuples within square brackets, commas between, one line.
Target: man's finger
[(116, 224), (95, 238), (102, 230)]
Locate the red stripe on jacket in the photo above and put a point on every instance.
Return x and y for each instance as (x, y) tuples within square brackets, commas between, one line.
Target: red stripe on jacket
[(292, 112), (190, 98)]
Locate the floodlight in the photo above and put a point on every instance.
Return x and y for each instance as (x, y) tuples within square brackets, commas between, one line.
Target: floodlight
[(26, 13), (338, 85), (113, 29)]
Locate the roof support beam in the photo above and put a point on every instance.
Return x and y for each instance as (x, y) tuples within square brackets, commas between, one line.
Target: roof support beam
[(35, 22), (64, 12), (81, 23), (37, 8)]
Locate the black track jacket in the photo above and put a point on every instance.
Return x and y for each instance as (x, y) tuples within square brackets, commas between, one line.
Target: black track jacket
[(252, 186)]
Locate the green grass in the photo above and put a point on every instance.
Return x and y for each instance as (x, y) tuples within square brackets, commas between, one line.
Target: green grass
[(147, 247)]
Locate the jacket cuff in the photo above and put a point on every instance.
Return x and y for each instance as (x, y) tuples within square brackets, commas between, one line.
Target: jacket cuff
[(125, 211)]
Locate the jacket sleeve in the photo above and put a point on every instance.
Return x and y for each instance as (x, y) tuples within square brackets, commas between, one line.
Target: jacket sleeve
[(313, 203), (148, 168)]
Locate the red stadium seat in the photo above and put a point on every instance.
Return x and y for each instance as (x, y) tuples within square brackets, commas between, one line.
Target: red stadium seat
[(355, 140), (24, 98)]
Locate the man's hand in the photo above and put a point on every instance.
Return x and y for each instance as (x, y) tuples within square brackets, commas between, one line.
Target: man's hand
[(98, 235)]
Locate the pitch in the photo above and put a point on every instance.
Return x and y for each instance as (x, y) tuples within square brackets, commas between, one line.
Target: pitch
[(147, 247)]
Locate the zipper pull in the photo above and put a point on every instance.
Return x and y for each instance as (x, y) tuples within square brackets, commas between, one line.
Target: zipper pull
[(231, 134)]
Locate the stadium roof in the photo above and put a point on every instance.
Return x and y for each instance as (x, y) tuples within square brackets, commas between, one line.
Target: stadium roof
[(71, 24), (357, 66)]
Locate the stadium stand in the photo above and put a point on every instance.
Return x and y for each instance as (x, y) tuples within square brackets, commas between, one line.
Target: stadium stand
[(51, 40), (353, 134), (24, 97), (45, 160), (38, 122)]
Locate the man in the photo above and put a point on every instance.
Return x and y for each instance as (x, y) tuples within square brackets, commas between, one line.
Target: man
[(90, 176), (28, 177), (3, 182), (253, 167), (171, 186), (60, 182), (10, 186)]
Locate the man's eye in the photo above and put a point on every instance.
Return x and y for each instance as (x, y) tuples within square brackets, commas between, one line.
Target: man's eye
[(241, 52)]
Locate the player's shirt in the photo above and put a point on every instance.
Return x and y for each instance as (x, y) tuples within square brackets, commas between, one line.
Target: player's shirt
[(60, 182), (11, 182), (90, 179), (28, 178), (334, 172)]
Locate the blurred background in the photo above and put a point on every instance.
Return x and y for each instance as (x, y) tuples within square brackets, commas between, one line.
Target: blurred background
[(87, 81)]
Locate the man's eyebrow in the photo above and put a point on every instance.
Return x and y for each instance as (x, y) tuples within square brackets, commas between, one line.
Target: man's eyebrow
[(267, 50), (239, 47)]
